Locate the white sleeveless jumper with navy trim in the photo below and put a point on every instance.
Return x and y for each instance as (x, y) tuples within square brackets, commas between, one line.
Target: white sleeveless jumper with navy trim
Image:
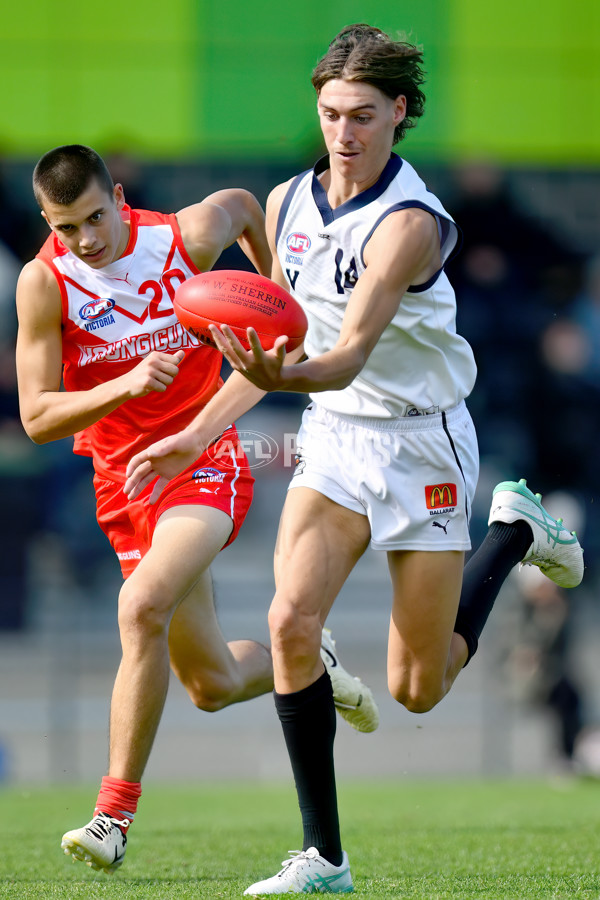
[(420, 364)]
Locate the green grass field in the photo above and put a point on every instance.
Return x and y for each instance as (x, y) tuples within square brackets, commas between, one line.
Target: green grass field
[(429, 840)]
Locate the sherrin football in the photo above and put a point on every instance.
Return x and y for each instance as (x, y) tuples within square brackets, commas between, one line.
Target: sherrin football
[(241, 300)]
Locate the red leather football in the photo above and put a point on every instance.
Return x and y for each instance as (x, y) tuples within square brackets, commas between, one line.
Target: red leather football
[(240, 300)]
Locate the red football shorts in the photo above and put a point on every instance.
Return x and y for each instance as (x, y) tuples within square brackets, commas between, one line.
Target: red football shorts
[(220, 478)]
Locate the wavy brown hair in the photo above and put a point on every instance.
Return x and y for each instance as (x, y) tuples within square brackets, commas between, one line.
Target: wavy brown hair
[(363, 53)]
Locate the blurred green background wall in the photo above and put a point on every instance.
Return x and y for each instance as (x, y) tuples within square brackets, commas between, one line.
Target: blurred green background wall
[(518, 81)]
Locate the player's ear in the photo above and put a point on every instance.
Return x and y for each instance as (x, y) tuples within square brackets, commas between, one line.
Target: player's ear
[(399, 109), (44, 216), (119, 196)]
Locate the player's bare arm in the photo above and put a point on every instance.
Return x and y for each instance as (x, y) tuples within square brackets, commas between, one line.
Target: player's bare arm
[(47, 412), (222, 218), (168, 457), (374, 302)]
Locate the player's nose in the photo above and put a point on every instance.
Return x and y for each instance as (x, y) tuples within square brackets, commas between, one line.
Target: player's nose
[(87, 236), (345, 131)]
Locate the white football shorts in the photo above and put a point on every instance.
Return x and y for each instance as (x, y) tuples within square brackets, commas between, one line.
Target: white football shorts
[(413, 477)]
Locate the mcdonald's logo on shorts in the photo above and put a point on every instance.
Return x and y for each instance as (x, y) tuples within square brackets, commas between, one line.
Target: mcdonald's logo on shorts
[(440, 496)]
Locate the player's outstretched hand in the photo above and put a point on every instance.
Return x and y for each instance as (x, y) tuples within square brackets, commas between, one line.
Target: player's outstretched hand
[(154, 373), (163, 460), (261, 367)]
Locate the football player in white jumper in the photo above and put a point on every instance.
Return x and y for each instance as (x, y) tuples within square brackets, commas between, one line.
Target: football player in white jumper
[(387, 454)]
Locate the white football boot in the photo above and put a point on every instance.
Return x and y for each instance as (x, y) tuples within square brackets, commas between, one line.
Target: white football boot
[(306, 873), (100, 844), (353, 699), (555, 551)]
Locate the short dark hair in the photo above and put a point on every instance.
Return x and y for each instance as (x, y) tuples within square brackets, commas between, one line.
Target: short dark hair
[(63, 174), (363, 53)]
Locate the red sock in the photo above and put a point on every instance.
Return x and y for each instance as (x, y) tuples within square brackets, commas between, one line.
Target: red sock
[(119, 799)]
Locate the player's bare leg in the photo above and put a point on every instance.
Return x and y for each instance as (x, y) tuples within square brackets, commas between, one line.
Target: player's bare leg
[(174, 572), (312, 562), (215, 673), (424, 654), (186, 541), (167, 615)]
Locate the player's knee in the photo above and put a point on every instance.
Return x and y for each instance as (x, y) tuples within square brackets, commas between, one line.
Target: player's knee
[(415, 695), (140, 612), (294, 635), (213, 692)]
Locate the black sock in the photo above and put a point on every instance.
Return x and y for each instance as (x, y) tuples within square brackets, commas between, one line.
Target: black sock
[(308, 721), (486, 571)]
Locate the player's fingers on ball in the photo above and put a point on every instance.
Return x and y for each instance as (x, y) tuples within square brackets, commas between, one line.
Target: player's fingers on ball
[(254, 340), (279, 345), (217, 338), (233, 339), (223, 346)]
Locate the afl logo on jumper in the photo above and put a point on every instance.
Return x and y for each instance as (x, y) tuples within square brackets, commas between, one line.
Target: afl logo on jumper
[(95, 309), (440, 497), (298, 242)]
